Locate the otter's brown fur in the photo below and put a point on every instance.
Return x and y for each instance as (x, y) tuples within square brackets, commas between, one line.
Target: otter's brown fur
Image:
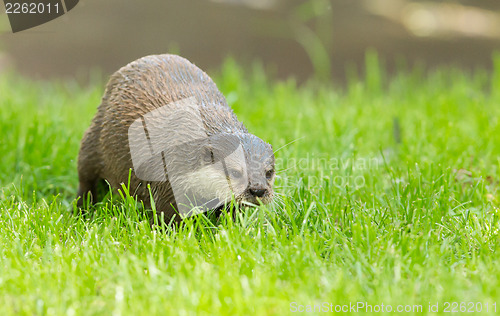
[(135, 90)]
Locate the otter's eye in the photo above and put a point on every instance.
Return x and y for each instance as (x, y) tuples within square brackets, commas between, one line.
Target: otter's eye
[(269, 174), (235, 173)]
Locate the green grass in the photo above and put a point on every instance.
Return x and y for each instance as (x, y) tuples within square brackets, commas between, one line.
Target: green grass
[(359, 217)]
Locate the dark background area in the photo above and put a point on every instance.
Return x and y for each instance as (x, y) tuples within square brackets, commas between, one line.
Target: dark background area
[(292, 38)]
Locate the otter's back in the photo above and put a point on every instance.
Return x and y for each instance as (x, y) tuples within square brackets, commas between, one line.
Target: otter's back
[(150, 83)]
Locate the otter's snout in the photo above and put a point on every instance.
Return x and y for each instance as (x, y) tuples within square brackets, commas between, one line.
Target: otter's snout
[(257, 192)]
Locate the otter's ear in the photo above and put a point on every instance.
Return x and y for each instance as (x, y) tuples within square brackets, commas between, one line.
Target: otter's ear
[(207, 155)]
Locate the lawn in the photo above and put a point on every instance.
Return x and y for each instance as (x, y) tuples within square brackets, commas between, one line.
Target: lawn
[(387, 193)]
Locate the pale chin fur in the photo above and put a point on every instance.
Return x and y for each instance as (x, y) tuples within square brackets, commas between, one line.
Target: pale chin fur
[(210, 182)]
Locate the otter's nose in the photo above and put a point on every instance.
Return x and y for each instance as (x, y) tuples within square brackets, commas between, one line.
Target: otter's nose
[(258, 192)]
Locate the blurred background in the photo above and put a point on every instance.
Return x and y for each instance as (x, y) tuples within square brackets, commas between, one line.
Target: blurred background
[(320, 38)]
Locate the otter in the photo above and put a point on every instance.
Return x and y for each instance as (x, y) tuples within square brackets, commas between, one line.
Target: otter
[(165, 129)]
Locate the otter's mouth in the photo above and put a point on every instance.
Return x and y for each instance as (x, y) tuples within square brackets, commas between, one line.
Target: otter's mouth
[(250, 199), (245, 199)]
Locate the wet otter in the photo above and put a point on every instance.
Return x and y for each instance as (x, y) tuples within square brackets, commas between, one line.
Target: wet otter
[(162, 122)]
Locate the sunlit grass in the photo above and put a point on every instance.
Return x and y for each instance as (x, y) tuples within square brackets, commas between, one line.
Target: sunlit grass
[(365, 211)]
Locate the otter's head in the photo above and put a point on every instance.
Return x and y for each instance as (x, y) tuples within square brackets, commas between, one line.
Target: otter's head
[(239, 165), (259, 159)]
